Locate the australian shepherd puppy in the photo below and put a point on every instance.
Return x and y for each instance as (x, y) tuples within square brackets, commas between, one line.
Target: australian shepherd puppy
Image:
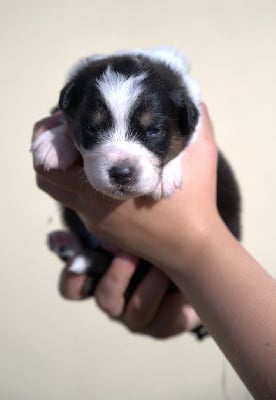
[(131, 115)]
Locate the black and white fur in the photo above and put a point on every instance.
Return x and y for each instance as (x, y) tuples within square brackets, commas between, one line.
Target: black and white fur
[(131, 115)]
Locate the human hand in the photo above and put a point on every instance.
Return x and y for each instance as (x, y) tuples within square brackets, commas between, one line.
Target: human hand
[(151, 310), (151, 230)]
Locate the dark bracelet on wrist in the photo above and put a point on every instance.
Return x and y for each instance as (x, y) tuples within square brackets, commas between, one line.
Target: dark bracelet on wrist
[(200, 332)]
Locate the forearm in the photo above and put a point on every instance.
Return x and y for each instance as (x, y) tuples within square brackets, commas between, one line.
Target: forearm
[(236, 299), (233, 295), (184, 236)]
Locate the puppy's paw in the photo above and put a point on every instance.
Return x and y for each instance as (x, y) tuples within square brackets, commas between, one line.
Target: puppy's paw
[(171, 179), (53, 149), (68, 248), (64, 244)]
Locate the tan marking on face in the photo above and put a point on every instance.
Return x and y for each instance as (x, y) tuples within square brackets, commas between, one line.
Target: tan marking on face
[(145, 119), (177, 144)]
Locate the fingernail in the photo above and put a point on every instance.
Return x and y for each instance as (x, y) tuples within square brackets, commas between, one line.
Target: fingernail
[(129, 258)]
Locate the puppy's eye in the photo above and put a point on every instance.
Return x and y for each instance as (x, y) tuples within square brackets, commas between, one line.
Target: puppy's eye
[(154, 132), (89, 127)]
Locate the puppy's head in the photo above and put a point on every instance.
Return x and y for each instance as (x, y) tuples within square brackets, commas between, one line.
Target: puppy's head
[(130, 116)]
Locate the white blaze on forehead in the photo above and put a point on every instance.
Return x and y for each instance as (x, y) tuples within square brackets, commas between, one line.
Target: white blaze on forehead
[(120, 94)]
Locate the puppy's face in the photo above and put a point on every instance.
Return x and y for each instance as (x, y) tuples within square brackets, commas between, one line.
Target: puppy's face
[(129, 117)]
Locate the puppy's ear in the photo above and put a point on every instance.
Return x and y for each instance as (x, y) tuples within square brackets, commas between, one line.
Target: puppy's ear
[(188, 117), (187, 112), (68, 97)]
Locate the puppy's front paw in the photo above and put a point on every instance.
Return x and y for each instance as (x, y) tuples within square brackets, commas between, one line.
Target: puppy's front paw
[(53, 149), (171, 179)]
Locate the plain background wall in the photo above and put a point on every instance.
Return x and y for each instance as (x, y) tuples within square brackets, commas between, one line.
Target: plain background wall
[(53, 349)]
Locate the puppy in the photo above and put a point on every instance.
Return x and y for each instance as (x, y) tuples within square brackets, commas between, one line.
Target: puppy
[(131, 114)]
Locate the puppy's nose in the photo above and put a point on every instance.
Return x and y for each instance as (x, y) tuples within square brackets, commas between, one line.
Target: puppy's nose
[(122, 174)]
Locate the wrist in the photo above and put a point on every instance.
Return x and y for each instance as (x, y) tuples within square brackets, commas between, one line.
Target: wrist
[(187, 250), (206, 258)]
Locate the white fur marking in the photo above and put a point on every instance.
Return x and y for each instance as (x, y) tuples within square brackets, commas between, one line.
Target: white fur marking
[(120, 94), (168, 55), (98, 161), (79, 265), (54, 149)]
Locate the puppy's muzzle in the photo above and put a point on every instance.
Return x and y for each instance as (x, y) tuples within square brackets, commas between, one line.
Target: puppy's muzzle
[(122, 174)]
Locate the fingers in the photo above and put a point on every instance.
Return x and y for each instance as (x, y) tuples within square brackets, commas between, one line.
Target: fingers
[(151, 310), (155, 312), (70, 285), (174, 316), (206, 127), (110, 290), (109, 293), (145, 301), (63, 196), (73, 179)]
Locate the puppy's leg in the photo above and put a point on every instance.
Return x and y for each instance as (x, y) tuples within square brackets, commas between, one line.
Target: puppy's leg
[(54, 149), (171, 178), (80, 260), (64, 244), (68, 248)]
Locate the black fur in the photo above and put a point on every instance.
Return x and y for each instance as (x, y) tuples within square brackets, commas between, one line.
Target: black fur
[(164, 96), (228, 197)]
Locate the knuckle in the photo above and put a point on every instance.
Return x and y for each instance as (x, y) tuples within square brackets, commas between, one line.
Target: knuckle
[(112, 308)]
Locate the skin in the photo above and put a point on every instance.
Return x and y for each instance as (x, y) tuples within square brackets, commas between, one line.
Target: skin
[(187, 240), (151, 310)]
